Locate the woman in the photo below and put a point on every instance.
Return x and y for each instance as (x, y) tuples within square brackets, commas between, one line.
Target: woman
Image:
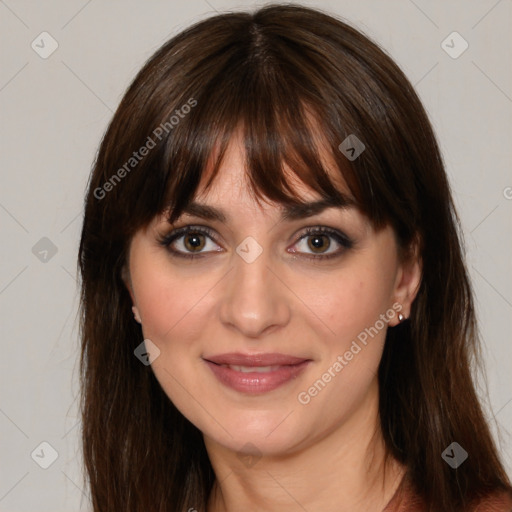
[(275, 309)]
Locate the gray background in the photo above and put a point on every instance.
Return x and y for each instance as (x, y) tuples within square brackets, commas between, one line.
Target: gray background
[(54, 111)]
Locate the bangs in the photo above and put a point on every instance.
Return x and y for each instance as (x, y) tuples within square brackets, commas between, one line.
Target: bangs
[(274, 137), (276, 141), (283, 117), (293, 98)]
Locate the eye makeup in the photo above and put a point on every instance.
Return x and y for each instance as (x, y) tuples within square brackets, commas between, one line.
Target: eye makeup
[(199, 236)]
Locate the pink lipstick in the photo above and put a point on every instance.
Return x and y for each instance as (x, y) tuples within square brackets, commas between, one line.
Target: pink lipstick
[(257, 373)]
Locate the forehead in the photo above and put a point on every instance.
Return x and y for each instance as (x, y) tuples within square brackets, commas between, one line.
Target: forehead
[(232, 182), (230, 196)]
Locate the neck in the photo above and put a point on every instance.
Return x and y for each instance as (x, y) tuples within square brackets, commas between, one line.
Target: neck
[(345, 471)]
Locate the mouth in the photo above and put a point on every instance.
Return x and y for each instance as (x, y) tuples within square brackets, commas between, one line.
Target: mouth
[(255, 374), (249, 369)]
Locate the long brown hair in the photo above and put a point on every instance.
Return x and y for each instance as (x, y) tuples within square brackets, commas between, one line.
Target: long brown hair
[(287, 75)]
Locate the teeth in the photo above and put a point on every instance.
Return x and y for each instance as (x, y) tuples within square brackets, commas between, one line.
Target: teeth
[(247, 369)]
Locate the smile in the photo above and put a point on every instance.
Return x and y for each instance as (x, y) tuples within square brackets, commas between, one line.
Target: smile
[(257, 377)]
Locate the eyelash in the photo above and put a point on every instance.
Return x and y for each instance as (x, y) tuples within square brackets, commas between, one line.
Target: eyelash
[(339, 237)]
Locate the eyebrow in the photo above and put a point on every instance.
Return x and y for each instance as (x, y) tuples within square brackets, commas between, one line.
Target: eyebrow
[(289, 212)]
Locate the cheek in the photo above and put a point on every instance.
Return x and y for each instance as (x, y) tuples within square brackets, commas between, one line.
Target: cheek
[(158, 309), (168, 301), (173, 307), (351, 299), (351, 305)]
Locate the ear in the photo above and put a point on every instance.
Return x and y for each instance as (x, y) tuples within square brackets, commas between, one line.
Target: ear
[(125, 276), (136, 314), (408, 280)]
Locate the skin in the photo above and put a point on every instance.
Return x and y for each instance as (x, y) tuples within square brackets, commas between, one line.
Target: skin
[(269, 451)]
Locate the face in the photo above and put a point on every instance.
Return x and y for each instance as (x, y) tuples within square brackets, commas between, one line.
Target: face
[(270, 329)]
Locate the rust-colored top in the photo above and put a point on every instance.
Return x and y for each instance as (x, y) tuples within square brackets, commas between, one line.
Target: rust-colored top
[(406, 499)]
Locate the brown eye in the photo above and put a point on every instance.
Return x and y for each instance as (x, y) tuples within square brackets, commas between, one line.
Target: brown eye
[(319, 243), (322, 243), (190, 242), (194, 242)]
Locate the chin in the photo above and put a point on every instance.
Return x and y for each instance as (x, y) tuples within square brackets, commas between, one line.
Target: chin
[(262, 433)]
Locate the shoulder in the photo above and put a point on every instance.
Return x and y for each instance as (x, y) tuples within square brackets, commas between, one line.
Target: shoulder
[(500, 501), (407, 500)]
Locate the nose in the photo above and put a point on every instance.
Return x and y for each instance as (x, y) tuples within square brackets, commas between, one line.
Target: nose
[(254, 300)]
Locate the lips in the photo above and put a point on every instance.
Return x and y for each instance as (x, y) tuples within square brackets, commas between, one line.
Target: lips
[(256, 373)]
